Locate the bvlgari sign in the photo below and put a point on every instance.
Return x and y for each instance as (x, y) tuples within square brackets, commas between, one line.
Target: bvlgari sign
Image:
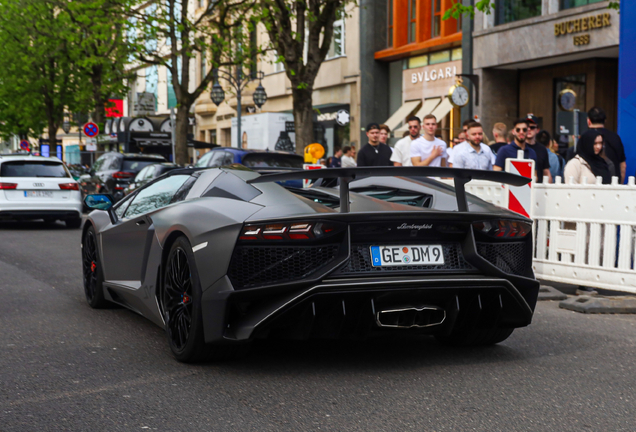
[(430, 81)]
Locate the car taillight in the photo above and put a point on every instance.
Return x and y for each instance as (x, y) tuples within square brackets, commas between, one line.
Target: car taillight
[(69, 186), (503, 228), (8, 185), (289, 231), (123, 175)]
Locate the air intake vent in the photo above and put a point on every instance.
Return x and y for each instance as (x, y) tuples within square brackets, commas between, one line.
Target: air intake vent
[(507, 257), (266, 265)]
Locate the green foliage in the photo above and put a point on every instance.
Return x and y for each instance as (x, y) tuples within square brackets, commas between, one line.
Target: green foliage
[(486, 6)]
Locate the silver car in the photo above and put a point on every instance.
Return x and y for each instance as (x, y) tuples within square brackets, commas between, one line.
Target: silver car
[(35, 187)]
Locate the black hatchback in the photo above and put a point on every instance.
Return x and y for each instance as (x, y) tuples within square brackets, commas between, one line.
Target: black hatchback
[(113, 172)]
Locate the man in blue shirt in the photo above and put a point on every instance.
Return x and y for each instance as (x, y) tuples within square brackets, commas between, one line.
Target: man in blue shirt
[(519, 131)]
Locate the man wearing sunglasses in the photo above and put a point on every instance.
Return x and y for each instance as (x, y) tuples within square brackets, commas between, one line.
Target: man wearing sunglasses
[(402, 151), (543, 159), (520, 132)]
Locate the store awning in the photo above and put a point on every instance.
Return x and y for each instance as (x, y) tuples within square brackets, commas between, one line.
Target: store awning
[(427, 107), (443, 109), (401, 113)]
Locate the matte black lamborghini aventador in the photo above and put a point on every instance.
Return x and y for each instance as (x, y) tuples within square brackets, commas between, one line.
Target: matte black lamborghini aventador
[(219, 257)]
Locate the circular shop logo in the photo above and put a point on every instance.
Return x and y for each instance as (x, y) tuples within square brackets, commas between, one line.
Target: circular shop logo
[(343, 117)]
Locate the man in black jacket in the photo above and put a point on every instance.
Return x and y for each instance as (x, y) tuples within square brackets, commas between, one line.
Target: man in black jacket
[(374, 154)]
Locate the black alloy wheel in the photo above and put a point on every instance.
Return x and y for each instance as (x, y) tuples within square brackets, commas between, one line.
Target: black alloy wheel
[(177, 299), (92, 271), (180, 303)]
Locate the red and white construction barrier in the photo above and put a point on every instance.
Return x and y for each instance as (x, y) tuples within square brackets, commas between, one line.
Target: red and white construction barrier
[(519, 199)]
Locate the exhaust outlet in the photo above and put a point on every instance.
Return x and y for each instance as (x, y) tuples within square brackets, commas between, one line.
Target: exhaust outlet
[(411, 317)]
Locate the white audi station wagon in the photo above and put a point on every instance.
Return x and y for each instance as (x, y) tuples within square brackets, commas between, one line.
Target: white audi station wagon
[(35, 187)]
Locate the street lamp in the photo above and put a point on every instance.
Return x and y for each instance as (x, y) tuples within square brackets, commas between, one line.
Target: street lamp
[(238, 83)]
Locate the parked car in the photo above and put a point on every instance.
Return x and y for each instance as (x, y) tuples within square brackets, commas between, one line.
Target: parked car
[(36, 187), (224, 156), (149, 173), (113, 172), (77, 170)]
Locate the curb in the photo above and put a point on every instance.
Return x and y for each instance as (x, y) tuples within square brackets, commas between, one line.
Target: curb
[(547, 292), (600, 305)]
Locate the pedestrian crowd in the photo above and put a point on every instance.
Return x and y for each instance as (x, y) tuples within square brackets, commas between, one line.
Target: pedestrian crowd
[(599, 152)]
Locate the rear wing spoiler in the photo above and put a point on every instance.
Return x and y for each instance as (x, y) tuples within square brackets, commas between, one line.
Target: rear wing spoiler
[(346, 175)]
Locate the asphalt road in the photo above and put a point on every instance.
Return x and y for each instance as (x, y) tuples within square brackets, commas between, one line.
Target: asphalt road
[(64, 366)]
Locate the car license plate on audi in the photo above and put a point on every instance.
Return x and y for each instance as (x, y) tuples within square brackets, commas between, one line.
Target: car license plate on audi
[(383, 256), (38, 194)]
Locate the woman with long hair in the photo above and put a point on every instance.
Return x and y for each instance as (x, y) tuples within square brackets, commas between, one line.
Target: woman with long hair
[(588, 162)]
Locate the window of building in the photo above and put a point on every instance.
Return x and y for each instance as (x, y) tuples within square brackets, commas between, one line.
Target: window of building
[(253, 53), (213, 136), (152, 81), (279, 64), (419, 61), (412, 20), (514, 10), (567, 4), (439, 57), (456, 54), (203, 64), (389, 25), (437, 18), (201, 3), (336, 49)]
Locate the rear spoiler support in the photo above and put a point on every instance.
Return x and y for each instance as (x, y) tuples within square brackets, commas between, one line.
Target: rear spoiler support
[(347, 175)]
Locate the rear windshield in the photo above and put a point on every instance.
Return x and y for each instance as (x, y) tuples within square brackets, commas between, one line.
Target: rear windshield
[(135, 165), (32, 169), (272, 160)]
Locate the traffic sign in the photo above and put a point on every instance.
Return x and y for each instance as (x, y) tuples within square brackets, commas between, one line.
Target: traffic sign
[(24, 145), (91, 130)]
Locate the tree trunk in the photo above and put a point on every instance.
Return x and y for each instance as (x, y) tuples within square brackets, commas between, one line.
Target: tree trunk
[(303, 118), (181, 130), (52, 136)]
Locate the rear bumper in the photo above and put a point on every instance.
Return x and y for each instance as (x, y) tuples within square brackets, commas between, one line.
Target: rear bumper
[(23, 212), (347, 308)]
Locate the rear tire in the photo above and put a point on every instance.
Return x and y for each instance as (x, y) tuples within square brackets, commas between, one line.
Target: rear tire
[(73, 223), (470, 336), (180, 302), (92, 271)]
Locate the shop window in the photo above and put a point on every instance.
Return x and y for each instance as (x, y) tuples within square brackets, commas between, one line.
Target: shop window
[(567, 4), (439, 57), (336, 49), (389, 24), (418, 61), (456, 54), (412, 20), (571, 82), (437, 18), (514, 10)]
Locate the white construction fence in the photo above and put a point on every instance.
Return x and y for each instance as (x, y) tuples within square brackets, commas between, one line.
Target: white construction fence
[(584, 234)]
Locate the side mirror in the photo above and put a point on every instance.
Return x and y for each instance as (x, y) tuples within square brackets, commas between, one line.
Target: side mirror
[(99, 202)]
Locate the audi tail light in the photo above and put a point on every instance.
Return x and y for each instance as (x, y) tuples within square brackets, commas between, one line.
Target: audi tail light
[(503, 228), (123, 175), (8, 185), (289, 231), (69, 186)]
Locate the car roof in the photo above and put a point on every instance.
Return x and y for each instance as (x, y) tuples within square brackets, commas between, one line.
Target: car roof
[(19, 157), (138, 155), (246, 151)]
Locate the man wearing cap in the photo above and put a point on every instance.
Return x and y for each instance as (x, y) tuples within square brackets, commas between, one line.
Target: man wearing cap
[(543, 158), (373, 153)]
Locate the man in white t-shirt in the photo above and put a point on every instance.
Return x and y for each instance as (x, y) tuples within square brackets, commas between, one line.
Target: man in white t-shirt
[(429, 150), (402, 150)]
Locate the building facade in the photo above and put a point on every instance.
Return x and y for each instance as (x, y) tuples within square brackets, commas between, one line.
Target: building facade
[(335, 98), (422, 55), (528, 56)]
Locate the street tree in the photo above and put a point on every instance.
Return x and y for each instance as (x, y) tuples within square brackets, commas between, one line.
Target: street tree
[(468, 8), (39, 76), (169, 34), (300, 31)]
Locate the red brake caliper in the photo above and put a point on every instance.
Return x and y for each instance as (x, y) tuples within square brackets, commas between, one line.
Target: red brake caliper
[(93, 266), (185, 299)]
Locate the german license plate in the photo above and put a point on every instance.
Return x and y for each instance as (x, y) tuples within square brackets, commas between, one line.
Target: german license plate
[(383, 256), (38, 194)]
